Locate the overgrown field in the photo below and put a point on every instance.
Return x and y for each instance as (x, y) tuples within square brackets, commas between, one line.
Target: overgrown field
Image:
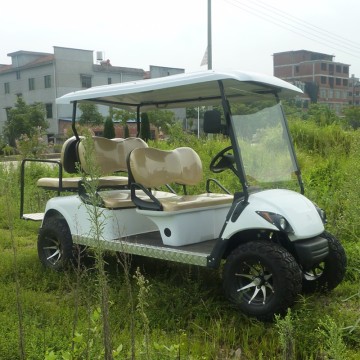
[(162, 310)]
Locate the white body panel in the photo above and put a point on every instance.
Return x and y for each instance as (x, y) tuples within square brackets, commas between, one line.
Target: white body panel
[(299, 211), (179, 228), (115, 223)]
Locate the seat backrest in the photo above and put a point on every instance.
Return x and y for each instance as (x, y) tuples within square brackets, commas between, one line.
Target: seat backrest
[(69, 156), (109, 154), (154, 167)]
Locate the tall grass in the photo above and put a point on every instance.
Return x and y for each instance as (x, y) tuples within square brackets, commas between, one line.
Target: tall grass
[(179, 310)]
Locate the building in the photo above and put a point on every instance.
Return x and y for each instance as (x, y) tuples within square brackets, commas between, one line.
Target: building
[(43, 77), (354, 93), (322, 79)]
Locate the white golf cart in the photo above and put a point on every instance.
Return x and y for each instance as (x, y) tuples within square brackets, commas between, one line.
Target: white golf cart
[(269, 238)]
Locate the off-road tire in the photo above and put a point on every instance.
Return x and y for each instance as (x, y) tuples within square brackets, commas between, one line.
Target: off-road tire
[(328, 274), (55, 246), (270, 264)]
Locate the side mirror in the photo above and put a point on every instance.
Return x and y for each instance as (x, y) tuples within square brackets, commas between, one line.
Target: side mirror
[(212, 122)]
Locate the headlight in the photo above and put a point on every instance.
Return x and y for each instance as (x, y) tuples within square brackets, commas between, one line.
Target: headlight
[(275, 219)]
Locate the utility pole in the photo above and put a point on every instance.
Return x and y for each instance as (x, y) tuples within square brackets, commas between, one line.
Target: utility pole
[(209, 49)]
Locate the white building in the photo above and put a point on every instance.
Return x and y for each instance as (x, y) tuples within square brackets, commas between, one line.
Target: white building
[(42, 77)]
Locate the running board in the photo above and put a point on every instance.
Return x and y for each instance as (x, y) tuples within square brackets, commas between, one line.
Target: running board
[(33, 217), (151, 245)]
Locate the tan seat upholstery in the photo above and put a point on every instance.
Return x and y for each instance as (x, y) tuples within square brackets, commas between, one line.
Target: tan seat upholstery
[(151, 168), (115, 199), (110, 156)]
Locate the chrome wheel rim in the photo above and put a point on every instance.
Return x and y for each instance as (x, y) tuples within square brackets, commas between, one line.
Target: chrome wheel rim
[(255, 284)]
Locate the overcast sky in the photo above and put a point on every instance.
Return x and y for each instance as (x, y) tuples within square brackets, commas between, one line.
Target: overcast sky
[(140, 33)]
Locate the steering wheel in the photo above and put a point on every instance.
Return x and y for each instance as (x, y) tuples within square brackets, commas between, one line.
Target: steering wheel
[(223, 161)]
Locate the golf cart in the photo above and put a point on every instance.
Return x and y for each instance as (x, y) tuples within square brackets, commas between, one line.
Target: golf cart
[(268, 237)]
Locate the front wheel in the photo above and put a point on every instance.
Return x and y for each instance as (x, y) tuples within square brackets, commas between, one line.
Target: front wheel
[(55, 246), (329, 273), (262, 279)]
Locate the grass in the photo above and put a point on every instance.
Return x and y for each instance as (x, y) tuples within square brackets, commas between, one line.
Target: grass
[(177, 311)]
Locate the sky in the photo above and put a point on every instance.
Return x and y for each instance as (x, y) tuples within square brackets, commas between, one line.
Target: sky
[(140, 33)]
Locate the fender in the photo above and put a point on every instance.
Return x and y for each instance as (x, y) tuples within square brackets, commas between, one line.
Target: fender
[(298, 210)]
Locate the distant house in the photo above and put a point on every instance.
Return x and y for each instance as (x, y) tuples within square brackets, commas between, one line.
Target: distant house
[(43, 77), (322, 79)]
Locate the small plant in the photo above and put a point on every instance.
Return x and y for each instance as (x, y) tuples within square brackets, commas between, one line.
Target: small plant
[(141, 307), (331, 333), (286, 330)]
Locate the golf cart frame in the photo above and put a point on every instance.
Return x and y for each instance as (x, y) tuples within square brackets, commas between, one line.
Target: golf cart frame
[(272, 240)]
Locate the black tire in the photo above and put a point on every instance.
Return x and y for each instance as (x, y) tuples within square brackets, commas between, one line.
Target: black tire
[(55, 246), (269, 276), (328, 274)]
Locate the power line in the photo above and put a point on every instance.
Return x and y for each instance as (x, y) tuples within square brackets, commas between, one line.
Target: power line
[(327, 33), (280, 22)]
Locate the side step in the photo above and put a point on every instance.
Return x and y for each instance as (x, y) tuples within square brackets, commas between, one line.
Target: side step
[(33, 217), (151, 245)]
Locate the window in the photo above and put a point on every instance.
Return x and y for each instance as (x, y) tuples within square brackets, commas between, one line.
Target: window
[(47, 81), (338, 68), (297, 68), (345, 69), (109, 81), (85, 81), (338, 81), (323, 93), (18, 75), (31, 84), (49, 111), (331, 68), (7, 88), (323, 79), (345, 82), (323, 66)]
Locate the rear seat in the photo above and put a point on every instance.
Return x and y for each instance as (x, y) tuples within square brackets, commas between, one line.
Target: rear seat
[(150, 168), (110, 157)]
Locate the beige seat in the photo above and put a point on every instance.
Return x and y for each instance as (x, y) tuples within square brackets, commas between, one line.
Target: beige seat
[(151, 168), (109, 157)]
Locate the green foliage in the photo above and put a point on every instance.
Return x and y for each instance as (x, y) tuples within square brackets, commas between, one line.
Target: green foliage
[(162, 119), (180, 308), (34, 145), (126, 132), (332, 336), (324, 140), (145, 127), (24, 119), (109, 129), (123, 115), (322, 115), (90, 115), (286, 330), (352, 117)]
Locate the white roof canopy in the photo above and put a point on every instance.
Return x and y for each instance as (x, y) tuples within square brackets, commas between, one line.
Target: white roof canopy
[(181, 90)]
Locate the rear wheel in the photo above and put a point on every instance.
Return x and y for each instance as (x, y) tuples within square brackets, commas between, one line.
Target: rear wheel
[(262, 279), (55, 246), (329, 273)]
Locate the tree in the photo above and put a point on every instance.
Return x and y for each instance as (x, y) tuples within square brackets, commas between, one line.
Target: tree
[(109, 129), (352, 117), (90, 115), (24, 119), (126, 132), (145, 127), (161, 119)]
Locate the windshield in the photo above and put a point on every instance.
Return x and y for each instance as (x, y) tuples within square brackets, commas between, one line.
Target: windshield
[(264, 145)]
